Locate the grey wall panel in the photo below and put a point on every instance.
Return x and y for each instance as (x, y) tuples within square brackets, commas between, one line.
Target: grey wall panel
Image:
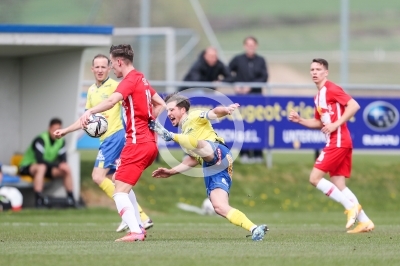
[(50, 85), (10, 115)]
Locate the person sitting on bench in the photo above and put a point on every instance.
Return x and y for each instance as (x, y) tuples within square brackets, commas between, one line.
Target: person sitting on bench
[(47, 157)]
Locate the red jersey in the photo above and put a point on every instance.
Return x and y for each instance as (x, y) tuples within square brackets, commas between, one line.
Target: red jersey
[(330, 104), (137, 107)]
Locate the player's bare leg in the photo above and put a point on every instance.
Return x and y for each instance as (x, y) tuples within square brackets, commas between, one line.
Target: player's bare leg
[(64, 171), (333, 192), (38, 171), (364, 222)]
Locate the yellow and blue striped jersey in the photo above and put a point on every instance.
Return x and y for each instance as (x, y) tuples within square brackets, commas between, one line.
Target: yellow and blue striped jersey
[(96, 95)]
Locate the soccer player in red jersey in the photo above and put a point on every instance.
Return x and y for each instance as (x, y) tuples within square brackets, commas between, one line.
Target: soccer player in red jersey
[(333, 108), (141, 103)]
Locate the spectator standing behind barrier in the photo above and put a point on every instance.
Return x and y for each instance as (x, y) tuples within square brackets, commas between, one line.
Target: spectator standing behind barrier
[(47, 157), (207, 68), (249, 67)]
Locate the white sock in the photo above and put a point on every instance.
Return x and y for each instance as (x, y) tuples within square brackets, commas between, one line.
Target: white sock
[(127, 211), (329, 189), (132, 198), (362, 217)]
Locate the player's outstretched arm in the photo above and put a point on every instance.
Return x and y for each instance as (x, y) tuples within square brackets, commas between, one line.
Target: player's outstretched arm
[(221, 111), (71, 128), (310, 123), (187, 163), (105, 105)]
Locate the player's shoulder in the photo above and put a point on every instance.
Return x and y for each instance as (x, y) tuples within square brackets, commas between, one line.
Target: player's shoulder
[(92, 88), (193, 114), (332, 86), (112, 82)]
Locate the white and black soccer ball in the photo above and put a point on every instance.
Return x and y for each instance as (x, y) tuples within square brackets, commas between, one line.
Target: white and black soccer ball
[(96, 126), (13, 196), (207, 207)]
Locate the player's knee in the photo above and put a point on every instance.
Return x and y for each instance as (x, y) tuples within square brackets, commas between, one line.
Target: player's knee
[(314, 180), (40, 168), (97, 178), (220, 209), (64, 168)]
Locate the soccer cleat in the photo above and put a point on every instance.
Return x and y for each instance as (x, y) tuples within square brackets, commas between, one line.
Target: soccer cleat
[(259, 232), (131, 237), (160, 130), (148, 224), (362, 227), (122, 226), (352, 215)]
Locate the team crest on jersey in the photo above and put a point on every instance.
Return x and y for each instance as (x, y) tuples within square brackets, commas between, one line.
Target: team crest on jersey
[(145, 83)]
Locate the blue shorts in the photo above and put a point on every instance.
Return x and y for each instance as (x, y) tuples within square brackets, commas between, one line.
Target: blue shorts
[(218, 172), (110, 151)]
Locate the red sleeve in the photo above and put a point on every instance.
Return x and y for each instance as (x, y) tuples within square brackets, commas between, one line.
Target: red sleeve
[(340, 96), (152, 91), (316, 114), (125, 88)]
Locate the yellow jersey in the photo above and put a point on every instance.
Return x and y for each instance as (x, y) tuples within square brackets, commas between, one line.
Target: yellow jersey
[(96, 95), (199, 127)]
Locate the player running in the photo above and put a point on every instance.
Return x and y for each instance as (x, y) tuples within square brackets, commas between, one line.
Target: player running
[(333, 108), (112, 142), (206, 148), (140, 149)]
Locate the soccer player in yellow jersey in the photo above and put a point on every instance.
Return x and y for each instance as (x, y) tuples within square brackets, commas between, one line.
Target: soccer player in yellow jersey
[(205, 147), (113, 140)]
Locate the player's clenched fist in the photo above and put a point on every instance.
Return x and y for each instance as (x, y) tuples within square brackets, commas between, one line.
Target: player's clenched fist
[(59, 133), (294, 116), (231, 108)]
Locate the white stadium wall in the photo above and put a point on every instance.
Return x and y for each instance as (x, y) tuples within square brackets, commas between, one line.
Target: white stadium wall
[(10, 115), (50, 87)]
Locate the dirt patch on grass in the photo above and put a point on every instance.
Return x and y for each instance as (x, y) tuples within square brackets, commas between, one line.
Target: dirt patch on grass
[(94, 198)]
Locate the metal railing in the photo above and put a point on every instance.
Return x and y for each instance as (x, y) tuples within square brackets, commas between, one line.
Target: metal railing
[(172, 86)]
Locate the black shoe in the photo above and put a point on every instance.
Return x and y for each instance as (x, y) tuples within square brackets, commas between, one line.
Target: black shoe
[(71, 202), (42, 202)]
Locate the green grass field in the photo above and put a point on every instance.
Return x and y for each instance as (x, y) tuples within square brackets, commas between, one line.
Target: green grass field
[(86, 237), (306, 228)]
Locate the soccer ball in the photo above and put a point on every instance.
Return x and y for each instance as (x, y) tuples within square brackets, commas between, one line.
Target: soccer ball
[(14, 196), (207, 207), (97, 126)]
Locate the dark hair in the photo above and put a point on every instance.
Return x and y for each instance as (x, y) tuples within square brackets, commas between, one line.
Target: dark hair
[(181, 101), (322, 62), (55, 121), (101, 56), (250, 38), (122, 50)]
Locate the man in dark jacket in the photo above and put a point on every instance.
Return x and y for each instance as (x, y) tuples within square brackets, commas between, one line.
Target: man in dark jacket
[(249, 67), (208, 68)]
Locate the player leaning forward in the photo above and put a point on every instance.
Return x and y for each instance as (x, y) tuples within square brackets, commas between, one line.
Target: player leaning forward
[(112, 142), (206, 148), (333, 108), (140, 148)]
